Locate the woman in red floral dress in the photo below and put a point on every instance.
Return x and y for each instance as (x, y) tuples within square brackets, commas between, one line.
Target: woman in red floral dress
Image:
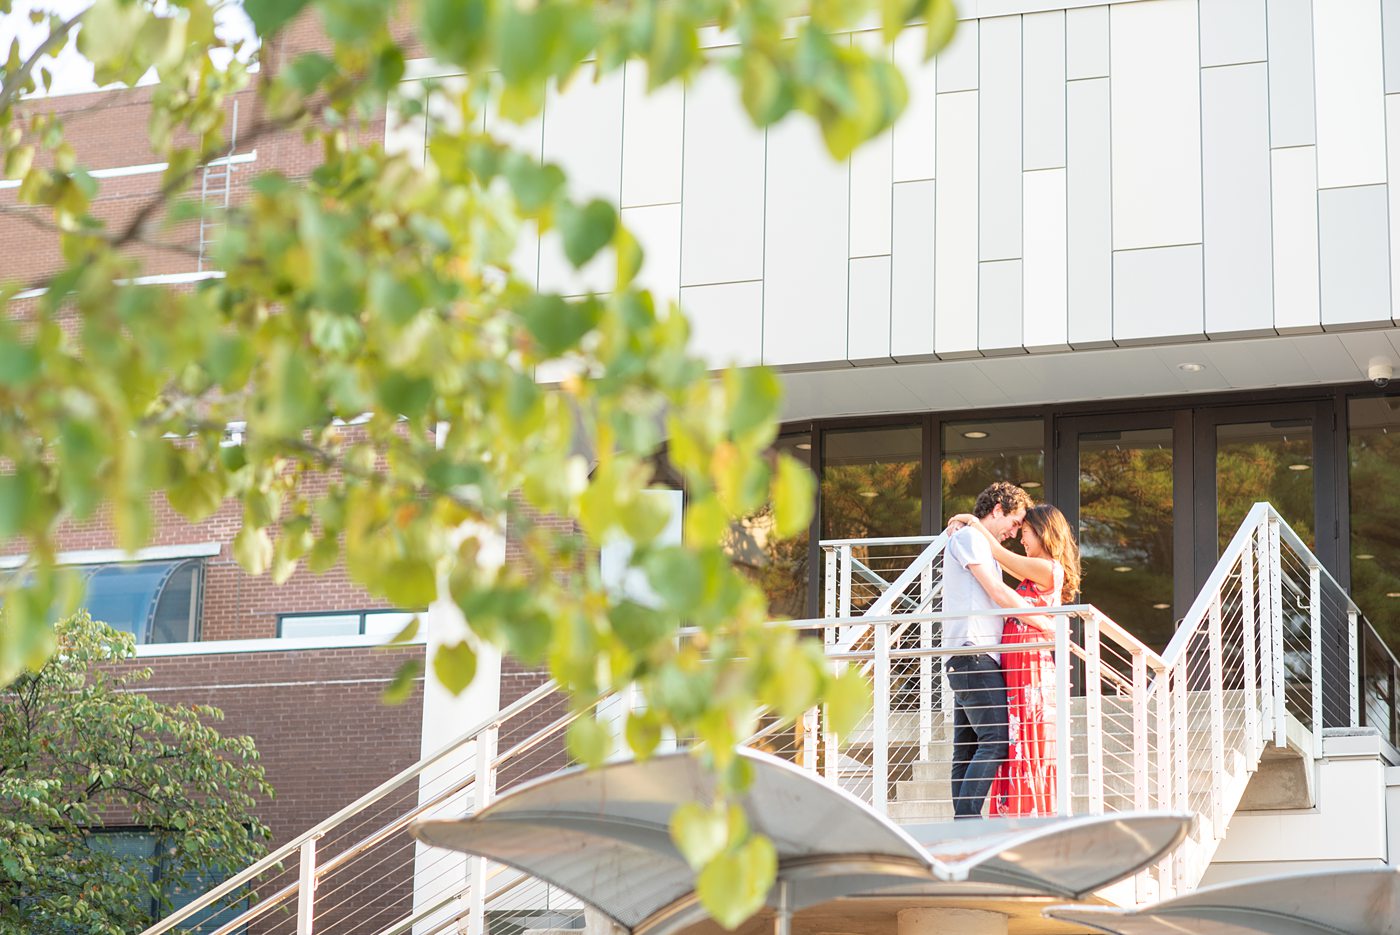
[(1049, 572)]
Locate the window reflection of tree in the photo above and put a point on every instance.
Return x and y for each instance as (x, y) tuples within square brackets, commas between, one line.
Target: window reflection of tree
[(1375, 527), (778, 566), (1125, 519)]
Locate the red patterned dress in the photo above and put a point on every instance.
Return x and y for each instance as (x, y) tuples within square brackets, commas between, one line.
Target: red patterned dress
[(1025, 784)]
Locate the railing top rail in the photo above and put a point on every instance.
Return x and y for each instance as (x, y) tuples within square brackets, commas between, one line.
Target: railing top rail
[(1294, 542), (1257, 515), (354, 808), (884, 540)]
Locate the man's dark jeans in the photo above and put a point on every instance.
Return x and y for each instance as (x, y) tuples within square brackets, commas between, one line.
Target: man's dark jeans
[(980, 733)]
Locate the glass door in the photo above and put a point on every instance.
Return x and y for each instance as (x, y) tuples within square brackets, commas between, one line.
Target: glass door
[(1277, 454), (1119, 481)]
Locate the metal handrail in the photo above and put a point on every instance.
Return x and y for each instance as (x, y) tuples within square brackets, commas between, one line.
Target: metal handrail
[(292, 847), (887, 540)]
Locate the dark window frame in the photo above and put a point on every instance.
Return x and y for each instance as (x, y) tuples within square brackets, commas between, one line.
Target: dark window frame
[(362, 614)]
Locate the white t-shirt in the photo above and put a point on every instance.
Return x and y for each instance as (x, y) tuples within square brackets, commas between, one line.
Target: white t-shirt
[(962, 592)]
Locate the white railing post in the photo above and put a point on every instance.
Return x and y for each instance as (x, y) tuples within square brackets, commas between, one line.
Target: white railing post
[(1093, 713), (306, 888), (485, 791), (829, 589), (1217, 719), (1064, 776), (810, 738), (1276, 626), (879, 793), (1353, 667), (1251, 701), (1180, 757), (1265, 625), (925, 666), (843, 589), (1162, 682), (1140, 731), (1315, 651)]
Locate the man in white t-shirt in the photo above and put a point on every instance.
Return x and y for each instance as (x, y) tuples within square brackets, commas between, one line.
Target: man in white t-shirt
[(972, 582)]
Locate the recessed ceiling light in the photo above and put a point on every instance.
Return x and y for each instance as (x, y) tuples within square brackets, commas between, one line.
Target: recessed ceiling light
[(1161, 607), (1365, 557), (1190, 367), (1122, 568), (974, 434), (804, 446), (870, 494), (1300, 467), (1030, 484)]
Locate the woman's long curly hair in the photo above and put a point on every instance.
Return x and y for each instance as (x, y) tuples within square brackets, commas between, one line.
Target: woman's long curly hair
[(1056, 537)]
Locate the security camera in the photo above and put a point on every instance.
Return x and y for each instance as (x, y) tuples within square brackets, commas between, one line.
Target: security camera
[(1380, 371)]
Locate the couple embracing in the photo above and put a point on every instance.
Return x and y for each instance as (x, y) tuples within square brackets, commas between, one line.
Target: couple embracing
[(1004, 702)]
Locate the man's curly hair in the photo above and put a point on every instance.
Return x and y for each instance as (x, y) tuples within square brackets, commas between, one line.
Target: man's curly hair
[(1008, 495)]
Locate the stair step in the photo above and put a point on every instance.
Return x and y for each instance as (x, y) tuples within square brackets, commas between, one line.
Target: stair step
[(921, 811)]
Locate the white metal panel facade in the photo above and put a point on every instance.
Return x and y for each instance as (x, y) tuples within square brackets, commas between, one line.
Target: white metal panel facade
[(1141, 172)]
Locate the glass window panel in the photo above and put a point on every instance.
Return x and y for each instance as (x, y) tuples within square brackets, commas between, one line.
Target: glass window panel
[(321, 625), (177, 610), (1373, 449), (778, 566), (977, 454), (388, 624), (1125, 529), (871, 487), (1269, 461), (124, 596)]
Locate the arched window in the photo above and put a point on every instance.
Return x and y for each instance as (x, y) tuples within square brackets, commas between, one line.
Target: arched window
[(157, 602)]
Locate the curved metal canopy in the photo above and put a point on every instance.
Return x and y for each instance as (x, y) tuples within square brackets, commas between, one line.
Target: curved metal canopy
[(1354, 902), (604, 836)]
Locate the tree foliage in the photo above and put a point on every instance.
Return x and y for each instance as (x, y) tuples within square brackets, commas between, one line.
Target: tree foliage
[(81, 751), (381, 294)]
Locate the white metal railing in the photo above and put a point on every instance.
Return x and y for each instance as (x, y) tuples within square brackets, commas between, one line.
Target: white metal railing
[(1270, 637)]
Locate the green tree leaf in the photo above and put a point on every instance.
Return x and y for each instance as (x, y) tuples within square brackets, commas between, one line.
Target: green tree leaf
[(734, 885), (586, 229), (455, 666)]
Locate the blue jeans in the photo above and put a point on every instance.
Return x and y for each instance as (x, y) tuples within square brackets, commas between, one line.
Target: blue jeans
[(980, 732)]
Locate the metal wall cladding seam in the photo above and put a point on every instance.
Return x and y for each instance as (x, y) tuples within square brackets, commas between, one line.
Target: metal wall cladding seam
[(999, 139), (1350, 82), (1086, 43), (1157, 294), (1392, 131), (805, 248), (1045, 303), (1297, 301), (1043, 90), (955, 211), (722, 224), (1233, 32), (1235, 185), (1089, 214), (1291, 105), (915, 134), (1353, 234), (912, 272), (653, 133), (868, 324), (1156, 129), (726, 322), (999, 307), (583, 134)]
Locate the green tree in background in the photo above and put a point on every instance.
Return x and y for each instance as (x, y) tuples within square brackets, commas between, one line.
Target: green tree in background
[(383, 294), (83, 752)]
